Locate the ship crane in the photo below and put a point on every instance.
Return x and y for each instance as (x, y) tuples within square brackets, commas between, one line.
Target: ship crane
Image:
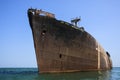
[(75, 21)]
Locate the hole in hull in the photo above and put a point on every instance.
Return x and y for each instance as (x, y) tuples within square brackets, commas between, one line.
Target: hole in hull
[(60, 56), (43, 32)]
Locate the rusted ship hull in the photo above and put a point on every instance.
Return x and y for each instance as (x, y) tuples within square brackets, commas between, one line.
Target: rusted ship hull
[(61, 47)]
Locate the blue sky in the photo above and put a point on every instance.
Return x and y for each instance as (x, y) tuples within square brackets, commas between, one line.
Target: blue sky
[(101, 18)]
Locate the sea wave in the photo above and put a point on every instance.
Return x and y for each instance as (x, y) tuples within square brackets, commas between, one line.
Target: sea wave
[(18, 70)]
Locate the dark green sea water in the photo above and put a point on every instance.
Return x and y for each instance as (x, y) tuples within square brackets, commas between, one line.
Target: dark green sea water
[(32, 74)]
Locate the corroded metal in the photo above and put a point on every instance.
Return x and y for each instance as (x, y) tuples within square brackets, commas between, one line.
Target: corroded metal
[(61, 47)]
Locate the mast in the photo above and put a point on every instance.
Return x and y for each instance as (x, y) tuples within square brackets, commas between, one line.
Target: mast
[(75, 21)]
